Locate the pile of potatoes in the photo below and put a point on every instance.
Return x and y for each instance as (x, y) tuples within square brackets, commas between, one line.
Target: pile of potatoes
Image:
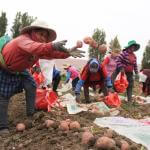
[(105, 141), (64, 125)]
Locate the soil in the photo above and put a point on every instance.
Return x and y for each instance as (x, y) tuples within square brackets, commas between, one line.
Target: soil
[(37, 137)]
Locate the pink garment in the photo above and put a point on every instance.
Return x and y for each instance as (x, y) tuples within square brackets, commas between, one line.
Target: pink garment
[(74, 72), (110, 64)]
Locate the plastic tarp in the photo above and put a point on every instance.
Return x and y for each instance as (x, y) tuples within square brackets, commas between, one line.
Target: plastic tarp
[(65, 87), (47, 69), (102, 107), (72, 106), (135, 130)]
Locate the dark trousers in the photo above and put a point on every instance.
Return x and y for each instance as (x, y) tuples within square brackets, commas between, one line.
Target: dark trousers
[(130, 81), (56, 82), (74, 83), (103, 89), (30, 93)]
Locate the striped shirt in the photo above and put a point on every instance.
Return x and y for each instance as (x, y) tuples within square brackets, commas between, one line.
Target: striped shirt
[(127, 61)]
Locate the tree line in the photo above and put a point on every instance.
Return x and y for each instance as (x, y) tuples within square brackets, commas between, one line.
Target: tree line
[(24, 19)]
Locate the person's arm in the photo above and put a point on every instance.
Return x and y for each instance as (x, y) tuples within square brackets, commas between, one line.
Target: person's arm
[(82, 80), (135, 67), (106, 77), (41, 50), (105, 61), (121, 61), (79, 86), (68, 75)]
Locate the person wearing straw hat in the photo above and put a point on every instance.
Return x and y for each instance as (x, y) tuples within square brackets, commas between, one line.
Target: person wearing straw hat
[(127, 63), (34, 42), (72, 73)]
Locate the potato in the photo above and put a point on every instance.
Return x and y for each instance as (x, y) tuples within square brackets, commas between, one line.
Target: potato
[(64, 126), (74, 125), (86, 129), (48, 123), (105, 142), (68, 121), (79, 44), (20, 127), (86, 137), (88, 40), (124, 145), (102, 48), (108, 133)]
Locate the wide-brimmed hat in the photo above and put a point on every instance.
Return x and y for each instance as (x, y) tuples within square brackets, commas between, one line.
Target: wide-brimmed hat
[(66, 66), (131, 43), (38, 24)]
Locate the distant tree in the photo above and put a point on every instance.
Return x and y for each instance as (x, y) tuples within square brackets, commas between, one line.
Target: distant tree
[(20, 21), (114, 44), (99, 36), (3, 23), (146, 57), (26, 20)]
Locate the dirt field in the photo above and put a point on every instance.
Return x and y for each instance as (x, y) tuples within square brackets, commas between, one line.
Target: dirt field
[(38, 137)]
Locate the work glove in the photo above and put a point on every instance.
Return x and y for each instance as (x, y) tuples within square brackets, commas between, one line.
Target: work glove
[(60, 46), (74, 52), (77, 97)]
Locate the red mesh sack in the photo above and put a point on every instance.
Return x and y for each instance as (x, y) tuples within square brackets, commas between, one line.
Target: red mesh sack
[(113, 100), (39, 78), (121, 83), (45, 99), (40, 102)]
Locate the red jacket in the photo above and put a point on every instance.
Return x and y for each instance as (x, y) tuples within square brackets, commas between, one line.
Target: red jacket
[(98, 77), (22, 53)]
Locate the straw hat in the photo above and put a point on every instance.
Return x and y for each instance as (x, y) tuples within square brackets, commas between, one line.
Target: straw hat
[(66, 66), (38, 24)]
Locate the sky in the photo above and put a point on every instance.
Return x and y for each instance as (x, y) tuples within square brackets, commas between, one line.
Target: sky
[(75, 19)]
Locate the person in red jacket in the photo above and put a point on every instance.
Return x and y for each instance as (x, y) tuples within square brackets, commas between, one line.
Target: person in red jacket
[(93, 74), (20, 54)]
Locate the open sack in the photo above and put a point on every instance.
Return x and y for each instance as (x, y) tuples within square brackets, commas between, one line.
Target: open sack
[(45, 99), (121, 83), (112, 100)]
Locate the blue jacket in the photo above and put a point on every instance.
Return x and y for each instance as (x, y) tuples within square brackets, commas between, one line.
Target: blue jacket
[(55, 72)]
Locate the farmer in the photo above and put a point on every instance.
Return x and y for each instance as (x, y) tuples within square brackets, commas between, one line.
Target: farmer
[(56, 78), (34, 42), (93, 74), (72, 73), (110, 61), (144, 79), (127, 63)]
